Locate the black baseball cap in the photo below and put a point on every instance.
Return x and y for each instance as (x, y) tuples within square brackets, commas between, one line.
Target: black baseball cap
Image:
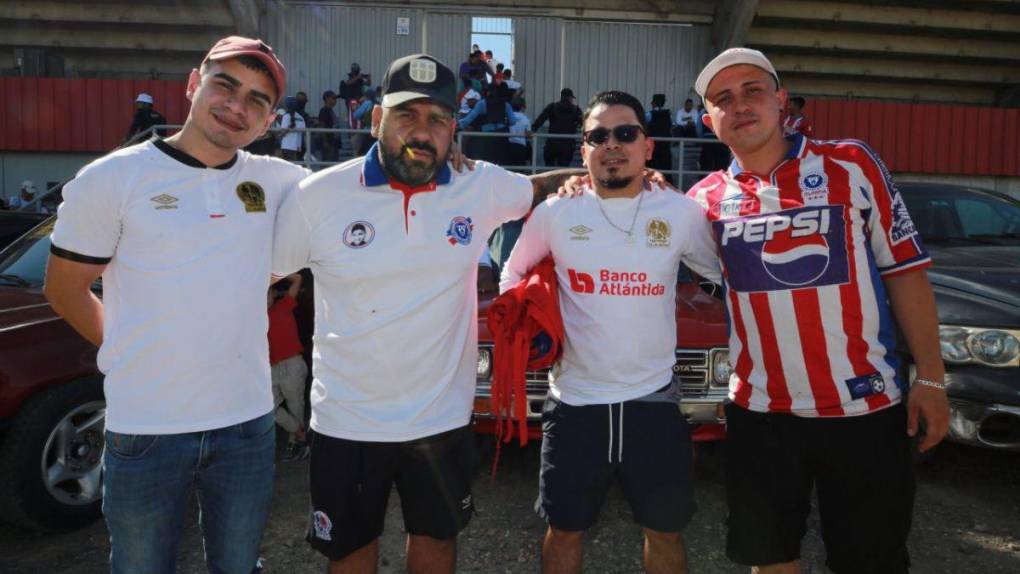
[(419, 76)]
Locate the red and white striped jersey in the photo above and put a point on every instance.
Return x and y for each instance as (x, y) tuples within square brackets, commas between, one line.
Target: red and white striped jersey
[(804, 250)]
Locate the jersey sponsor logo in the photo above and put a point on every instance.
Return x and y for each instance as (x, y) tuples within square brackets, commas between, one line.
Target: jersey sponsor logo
[(579, 233), (866, 385), (624, 283), (164, 201), (658, 232), (359, 234), (902, 226), (253, 197), (323, 525), (791, 249), (460, 230)]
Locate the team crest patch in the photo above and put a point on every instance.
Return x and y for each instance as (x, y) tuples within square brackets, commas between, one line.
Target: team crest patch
[(253, 197), (359, 234), (658, 232), (814, 186), (460, 230), (322, 525), (423, 71)]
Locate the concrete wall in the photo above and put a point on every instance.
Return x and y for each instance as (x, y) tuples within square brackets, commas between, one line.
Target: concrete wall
[(319, 41), (42, 168)]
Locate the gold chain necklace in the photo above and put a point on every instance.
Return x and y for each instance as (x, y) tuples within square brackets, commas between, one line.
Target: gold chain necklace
[(629, 232)]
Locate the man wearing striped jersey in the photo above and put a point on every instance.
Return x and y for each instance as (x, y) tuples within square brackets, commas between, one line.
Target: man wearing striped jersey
[(822, 264)]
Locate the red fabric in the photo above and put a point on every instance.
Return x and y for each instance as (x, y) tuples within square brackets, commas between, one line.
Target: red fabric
[(528, 309), (283, 334)]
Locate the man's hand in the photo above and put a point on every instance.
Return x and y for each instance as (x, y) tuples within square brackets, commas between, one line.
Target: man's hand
[(487, 284), (574, 186), (459, 160), (657, 178), (932, 405)]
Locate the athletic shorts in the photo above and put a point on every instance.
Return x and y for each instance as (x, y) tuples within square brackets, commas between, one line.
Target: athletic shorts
[(351, 483), (861, 466), (645, 446)]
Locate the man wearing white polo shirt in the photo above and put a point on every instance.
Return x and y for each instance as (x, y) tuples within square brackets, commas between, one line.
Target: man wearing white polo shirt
[(394, 240), (617, 248), (180, 231)]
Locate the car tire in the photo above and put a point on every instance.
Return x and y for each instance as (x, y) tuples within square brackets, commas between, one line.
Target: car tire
[(51, 459)]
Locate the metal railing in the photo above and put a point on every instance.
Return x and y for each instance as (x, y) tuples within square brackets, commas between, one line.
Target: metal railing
[(684, 151)]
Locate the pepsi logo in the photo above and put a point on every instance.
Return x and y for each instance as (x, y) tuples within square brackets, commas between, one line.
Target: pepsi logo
[(795, 261)]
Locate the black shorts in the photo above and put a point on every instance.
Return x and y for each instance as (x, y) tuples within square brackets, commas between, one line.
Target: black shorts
[(862, 467), (582, 455), (351, 483)]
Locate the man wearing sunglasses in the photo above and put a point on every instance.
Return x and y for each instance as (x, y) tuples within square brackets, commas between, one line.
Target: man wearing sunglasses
[(611, 412), (820, 257)]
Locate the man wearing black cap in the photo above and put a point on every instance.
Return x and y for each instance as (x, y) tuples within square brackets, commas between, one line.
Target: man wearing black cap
[(393, 239), (564, 118)]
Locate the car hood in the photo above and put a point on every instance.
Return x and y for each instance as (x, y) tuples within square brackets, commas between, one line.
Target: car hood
[(977, 284), (18, 305)]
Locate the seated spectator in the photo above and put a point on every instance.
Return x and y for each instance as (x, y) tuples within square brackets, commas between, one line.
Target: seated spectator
[(513, 85), (25, 198), (145, 117)]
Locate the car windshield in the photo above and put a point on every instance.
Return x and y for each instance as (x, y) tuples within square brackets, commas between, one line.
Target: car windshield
[(24, 262), (963, 215)]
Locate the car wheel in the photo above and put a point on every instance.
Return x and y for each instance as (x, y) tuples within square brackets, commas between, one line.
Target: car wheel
[(51, 459)]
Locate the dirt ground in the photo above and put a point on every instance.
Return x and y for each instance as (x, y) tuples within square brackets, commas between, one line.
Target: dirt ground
[(967, 520)]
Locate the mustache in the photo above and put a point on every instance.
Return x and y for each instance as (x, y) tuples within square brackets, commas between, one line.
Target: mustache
[(423, 146)]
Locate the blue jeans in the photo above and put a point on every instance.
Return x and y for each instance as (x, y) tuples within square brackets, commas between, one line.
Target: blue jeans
[(148, 483)]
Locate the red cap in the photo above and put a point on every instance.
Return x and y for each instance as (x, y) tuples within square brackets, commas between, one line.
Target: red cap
[(234, 46)]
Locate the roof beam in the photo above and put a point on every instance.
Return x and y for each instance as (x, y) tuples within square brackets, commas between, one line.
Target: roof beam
[(731, 23)]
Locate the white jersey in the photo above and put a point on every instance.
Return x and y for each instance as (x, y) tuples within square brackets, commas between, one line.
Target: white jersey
[(186, 250), (617, 296), (396, 332)]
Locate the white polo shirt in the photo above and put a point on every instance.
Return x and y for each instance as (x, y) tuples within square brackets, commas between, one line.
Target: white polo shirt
[(396, 331), (187, 250), (617, 298)]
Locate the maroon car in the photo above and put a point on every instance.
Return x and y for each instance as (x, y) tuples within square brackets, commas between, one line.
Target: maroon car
[(51, 400)]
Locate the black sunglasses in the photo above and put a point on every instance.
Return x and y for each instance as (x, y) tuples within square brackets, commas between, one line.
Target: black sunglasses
[(623, 134)]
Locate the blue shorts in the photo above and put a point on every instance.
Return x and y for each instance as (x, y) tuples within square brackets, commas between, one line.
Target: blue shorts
[(645, 446)]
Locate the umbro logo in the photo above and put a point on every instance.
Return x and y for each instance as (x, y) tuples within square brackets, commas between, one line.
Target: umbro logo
[(164, 201), (580, 232), (466, 503)]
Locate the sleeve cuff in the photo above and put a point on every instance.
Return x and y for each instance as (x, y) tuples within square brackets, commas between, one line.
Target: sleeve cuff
[(912, 265), (78, 257)]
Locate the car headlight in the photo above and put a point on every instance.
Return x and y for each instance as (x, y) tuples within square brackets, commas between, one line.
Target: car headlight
[(721, 368), (484, 364), (992, 347)]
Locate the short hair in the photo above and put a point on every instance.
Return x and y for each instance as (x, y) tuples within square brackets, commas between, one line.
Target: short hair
[(328, 94), (801, 102), (507, 72), (689, 101), (488, 52), (518, 104), (616, 98), (659, 100), (358, 227), (301, 94)]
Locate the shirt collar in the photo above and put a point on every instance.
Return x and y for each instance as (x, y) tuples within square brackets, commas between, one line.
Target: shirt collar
[(796, 144), (190, 160), (372, 174)]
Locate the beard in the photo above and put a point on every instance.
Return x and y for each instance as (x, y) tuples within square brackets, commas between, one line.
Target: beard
[(616, 182), (399, 166)]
